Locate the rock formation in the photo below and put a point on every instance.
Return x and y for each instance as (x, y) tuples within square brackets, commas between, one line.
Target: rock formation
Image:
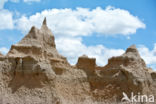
[(126, 73), (38, 43), (33, 72), (87, 64), (1, 55)]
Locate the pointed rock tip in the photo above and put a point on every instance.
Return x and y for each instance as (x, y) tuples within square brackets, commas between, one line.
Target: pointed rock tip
[(44, 24), (44, 21), (132, 48), (33, 30)]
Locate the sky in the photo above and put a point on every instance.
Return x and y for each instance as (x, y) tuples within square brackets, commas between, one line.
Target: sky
[(97, 28)]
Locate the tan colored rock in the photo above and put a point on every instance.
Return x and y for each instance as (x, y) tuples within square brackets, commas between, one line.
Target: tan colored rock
[(38, 43), (126, 73), (87, 64), (33, 72)]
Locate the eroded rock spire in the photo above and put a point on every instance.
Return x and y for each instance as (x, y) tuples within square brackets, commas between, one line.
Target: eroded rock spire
[(37, 43), (44, 21)]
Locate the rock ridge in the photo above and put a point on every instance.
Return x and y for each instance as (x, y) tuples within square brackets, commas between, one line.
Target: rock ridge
[(33, 72)]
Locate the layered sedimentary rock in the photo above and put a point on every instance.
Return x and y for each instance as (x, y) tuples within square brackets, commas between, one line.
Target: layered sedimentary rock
[(126, 73), (33, 72), (38, 43), (87, 64)]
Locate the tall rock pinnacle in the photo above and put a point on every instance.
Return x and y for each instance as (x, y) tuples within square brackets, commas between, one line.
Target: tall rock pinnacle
[(39, 43), (44, 26), (44, 21)]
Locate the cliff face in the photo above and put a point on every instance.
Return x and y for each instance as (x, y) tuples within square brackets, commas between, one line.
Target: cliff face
[(33, 72)]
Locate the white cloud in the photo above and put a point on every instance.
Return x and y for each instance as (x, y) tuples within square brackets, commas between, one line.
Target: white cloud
[(72, 48), (6, 20), (148, 55), (84, 22), (115, 21), (2, 2), (28, 1), (69, 25), (4, 50)]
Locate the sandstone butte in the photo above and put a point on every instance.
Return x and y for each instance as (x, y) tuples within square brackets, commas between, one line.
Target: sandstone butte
[(33, 72)]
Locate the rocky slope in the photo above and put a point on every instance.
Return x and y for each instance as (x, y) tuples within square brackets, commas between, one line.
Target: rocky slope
[(33, 72)]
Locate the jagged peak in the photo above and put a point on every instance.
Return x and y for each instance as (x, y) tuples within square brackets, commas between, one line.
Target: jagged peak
[(33, 29), (44, 21), (132, 48), (131, 56), (44, 25), (39, 36), (41, 39), (132, 51)]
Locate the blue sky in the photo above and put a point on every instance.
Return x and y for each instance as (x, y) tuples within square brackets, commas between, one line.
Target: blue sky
[(99, 28)]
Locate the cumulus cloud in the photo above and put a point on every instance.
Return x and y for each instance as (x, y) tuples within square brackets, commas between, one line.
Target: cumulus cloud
[(148, 55), (4, 50), (6, 20), (70, 25), (72, 48), (2, 2), (84, 22)]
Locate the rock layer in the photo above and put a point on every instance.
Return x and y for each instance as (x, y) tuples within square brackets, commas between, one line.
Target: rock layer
[(33, 72)]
